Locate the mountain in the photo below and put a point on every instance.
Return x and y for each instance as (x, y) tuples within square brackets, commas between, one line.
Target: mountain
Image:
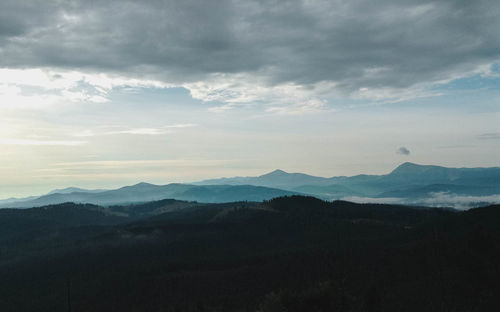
[(69, 190), (16, 200), (415, 181), (409, 182), (144, 192), (437, 174), (277, 178), (288, 181)]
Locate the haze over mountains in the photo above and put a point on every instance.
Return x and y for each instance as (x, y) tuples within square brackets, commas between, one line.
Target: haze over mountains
[(409, 183), (144, 192)]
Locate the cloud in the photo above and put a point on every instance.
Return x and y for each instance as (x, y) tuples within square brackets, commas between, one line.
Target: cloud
[(138, 131), (385, 50), (459, 201), (38, 88), (373, 200), (403, 151), (6, 141), (140, 162), (309, 106), (142, 131), (180, 126), (489, 136), (84, 134), (439, 199)]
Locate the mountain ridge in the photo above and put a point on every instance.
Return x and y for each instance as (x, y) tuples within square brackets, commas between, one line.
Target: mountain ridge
[(145, 192), (408, 183), (411, 182)]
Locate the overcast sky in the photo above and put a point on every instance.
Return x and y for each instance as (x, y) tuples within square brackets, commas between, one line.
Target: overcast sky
[(103, 93)]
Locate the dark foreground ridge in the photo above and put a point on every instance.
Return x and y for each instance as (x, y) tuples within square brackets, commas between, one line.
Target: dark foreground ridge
[(288, 254)]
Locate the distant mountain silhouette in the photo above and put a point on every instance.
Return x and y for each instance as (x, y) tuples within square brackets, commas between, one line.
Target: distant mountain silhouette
[(144, 192), (437, 174), (69, 190), (277, 178), (408, 181)]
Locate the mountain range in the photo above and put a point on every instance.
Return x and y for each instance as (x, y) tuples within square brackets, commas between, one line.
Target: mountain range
[(144, 192), (409, 183)]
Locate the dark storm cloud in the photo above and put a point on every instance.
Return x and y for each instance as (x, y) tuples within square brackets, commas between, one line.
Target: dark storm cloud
[(403, 151), (18, 17), (391, 43)]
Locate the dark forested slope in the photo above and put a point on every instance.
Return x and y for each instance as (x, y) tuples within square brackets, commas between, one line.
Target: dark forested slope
[(287, 254)]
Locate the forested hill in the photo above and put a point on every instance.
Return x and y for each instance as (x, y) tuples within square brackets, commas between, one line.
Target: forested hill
[(287, 254)]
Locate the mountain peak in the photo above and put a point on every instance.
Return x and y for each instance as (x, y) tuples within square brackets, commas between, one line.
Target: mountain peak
[(139, 186), (66, 190), (277, 172), (408, 164), (73, 189), (407, 167), (143, 184)]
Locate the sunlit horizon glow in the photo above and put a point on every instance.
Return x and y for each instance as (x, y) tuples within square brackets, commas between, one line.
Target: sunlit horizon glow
[(104, 94)]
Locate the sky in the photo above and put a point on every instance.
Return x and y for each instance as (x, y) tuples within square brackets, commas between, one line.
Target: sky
[(106, 93)]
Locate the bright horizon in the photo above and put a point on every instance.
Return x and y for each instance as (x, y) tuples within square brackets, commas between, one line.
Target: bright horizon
[(339, 88)]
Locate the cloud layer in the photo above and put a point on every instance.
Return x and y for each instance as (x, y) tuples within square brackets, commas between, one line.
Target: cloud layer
[(434, 200), (240, 50)]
